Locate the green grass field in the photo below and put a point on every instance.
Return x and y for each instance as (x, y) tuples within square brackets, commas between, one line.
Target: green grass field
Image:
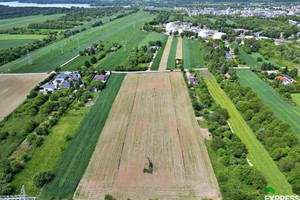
[(229, 22), (46, 157), (8, 41), (156, 62), (76, 157), (192, 57), (212, 20), (296, 98), (47, 58), (22, 22), (270, 97), (257, 153), (172, 54), (152, 37), (251, 59)]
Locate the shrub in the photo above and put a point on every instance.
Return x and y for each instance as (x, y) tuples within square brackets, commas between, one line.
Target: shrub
[(259, 59), (41, 178)]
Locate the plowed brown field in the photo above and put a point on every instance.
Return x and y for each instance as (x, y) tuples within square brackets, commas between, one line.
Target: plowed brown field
[(14, 89), (151, 117)]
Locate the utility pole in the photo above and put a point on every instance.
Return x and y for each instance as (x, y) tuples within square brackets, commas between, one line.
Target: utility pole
[(29, 58), (124, 44)]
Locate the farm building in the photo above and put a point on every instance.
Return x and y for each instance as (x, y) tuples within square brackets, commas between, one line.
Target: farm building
[(290, 79), (65, 84), (102, 77), (269, 72), (285, 81), (218, 35), (203, 34), (74, 76), (61, 78), (48, 87)]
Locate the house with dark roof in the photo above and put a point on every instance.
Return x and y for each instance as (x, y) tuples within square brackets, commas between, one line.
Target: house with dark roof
[(74, 76), (65, 84), (284, 80), (193, 80), (290, 79)]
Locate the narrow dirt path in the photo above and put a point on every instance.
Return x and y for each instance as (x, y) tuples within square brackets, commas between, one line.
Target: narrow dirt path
[(179, 49)]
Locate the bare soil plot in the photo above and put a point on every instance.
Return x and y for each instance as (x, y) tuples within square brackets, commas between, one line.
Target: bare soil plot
[(179, 49), (14, 89), (164, 59), (151, 117)]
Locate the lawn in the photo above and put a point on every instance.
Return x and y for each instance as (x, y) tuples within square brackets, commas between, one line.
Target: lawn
[(270, 97), (46, 157), (22, 22), (257, 153), (8, 41), (76, 157), (47, 58), (172, 54), (251, 59), (296, 98), (192, 57), (157, 60)]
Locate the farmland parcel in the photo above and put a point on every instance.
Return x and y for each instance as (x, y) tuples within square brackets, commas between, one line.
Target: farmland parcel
[(152, 116), (164, 59), (270, 97), (14, 89), (75, 158), (192, 57), (257, 153)]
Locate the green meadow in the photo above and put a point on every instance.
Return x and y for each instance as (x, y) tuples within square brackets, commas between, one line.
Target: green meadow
[(172, 54), (192, 57), (8, 41)]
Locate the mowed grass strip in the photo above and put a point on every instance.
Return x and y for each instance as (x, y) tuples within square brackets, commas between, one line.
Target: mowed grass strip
[(21, 22), (76, 157), (157, 60), (257, 153), (152, 37), (192, 57), (296, 98), (47, 58), (172, 53), (270, 97)]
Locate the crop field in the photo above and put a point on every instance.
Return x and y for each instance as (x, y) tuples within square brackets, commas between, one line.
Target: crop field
[(158, 57), (165, 57), (75, 158), (153, 117), (270, 97), (258, 156), (14, 89), (192, 57), (46, 157), (47, 58), (8, 41), (22, 22), (172, 54), (179, 49)]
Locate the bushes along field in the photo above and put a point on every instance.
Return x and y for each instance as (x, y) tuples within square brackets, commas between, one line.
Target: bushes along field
[(75, 159)]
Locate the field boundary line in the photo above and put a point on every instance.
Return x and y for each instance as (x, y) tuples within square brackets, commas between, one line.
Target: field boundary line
[(70, 60)]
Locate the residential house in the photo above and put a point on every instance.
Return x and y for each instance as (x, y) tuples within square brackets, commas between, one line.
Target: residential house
[(101, 77), (61, 77), (269, 72), (193, 80), (65, 84), (290, 79), (74, 76), (227, 75), (228, 55), (284, 80)]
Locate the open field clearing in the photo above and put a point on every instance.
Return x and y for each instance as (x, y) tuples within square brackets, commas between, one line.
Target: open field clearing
[(75, 158), (7, 41), (251, 59), (22, 22), (46, 157), (152, 116), (158, 57), (192, 57), (152, 37), (14, 89), (47, 58), (258, 156), (172, 54), (270, 97), (179, 49), (296, 98), (164, 59)]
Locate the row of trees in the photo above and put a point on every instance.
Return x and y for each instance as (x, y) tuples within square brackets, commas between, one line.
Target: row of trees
[(274, 134), (237, 180)]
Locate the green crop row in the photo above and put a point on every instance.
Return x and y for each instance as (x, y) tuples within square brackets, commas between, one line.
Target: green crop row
[(192, 57), (172, 54), (157, 60)]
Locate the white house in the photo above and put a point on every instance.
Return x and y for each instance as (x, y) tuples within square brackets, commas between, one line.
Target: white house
[(203, 34), (218, 35)]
